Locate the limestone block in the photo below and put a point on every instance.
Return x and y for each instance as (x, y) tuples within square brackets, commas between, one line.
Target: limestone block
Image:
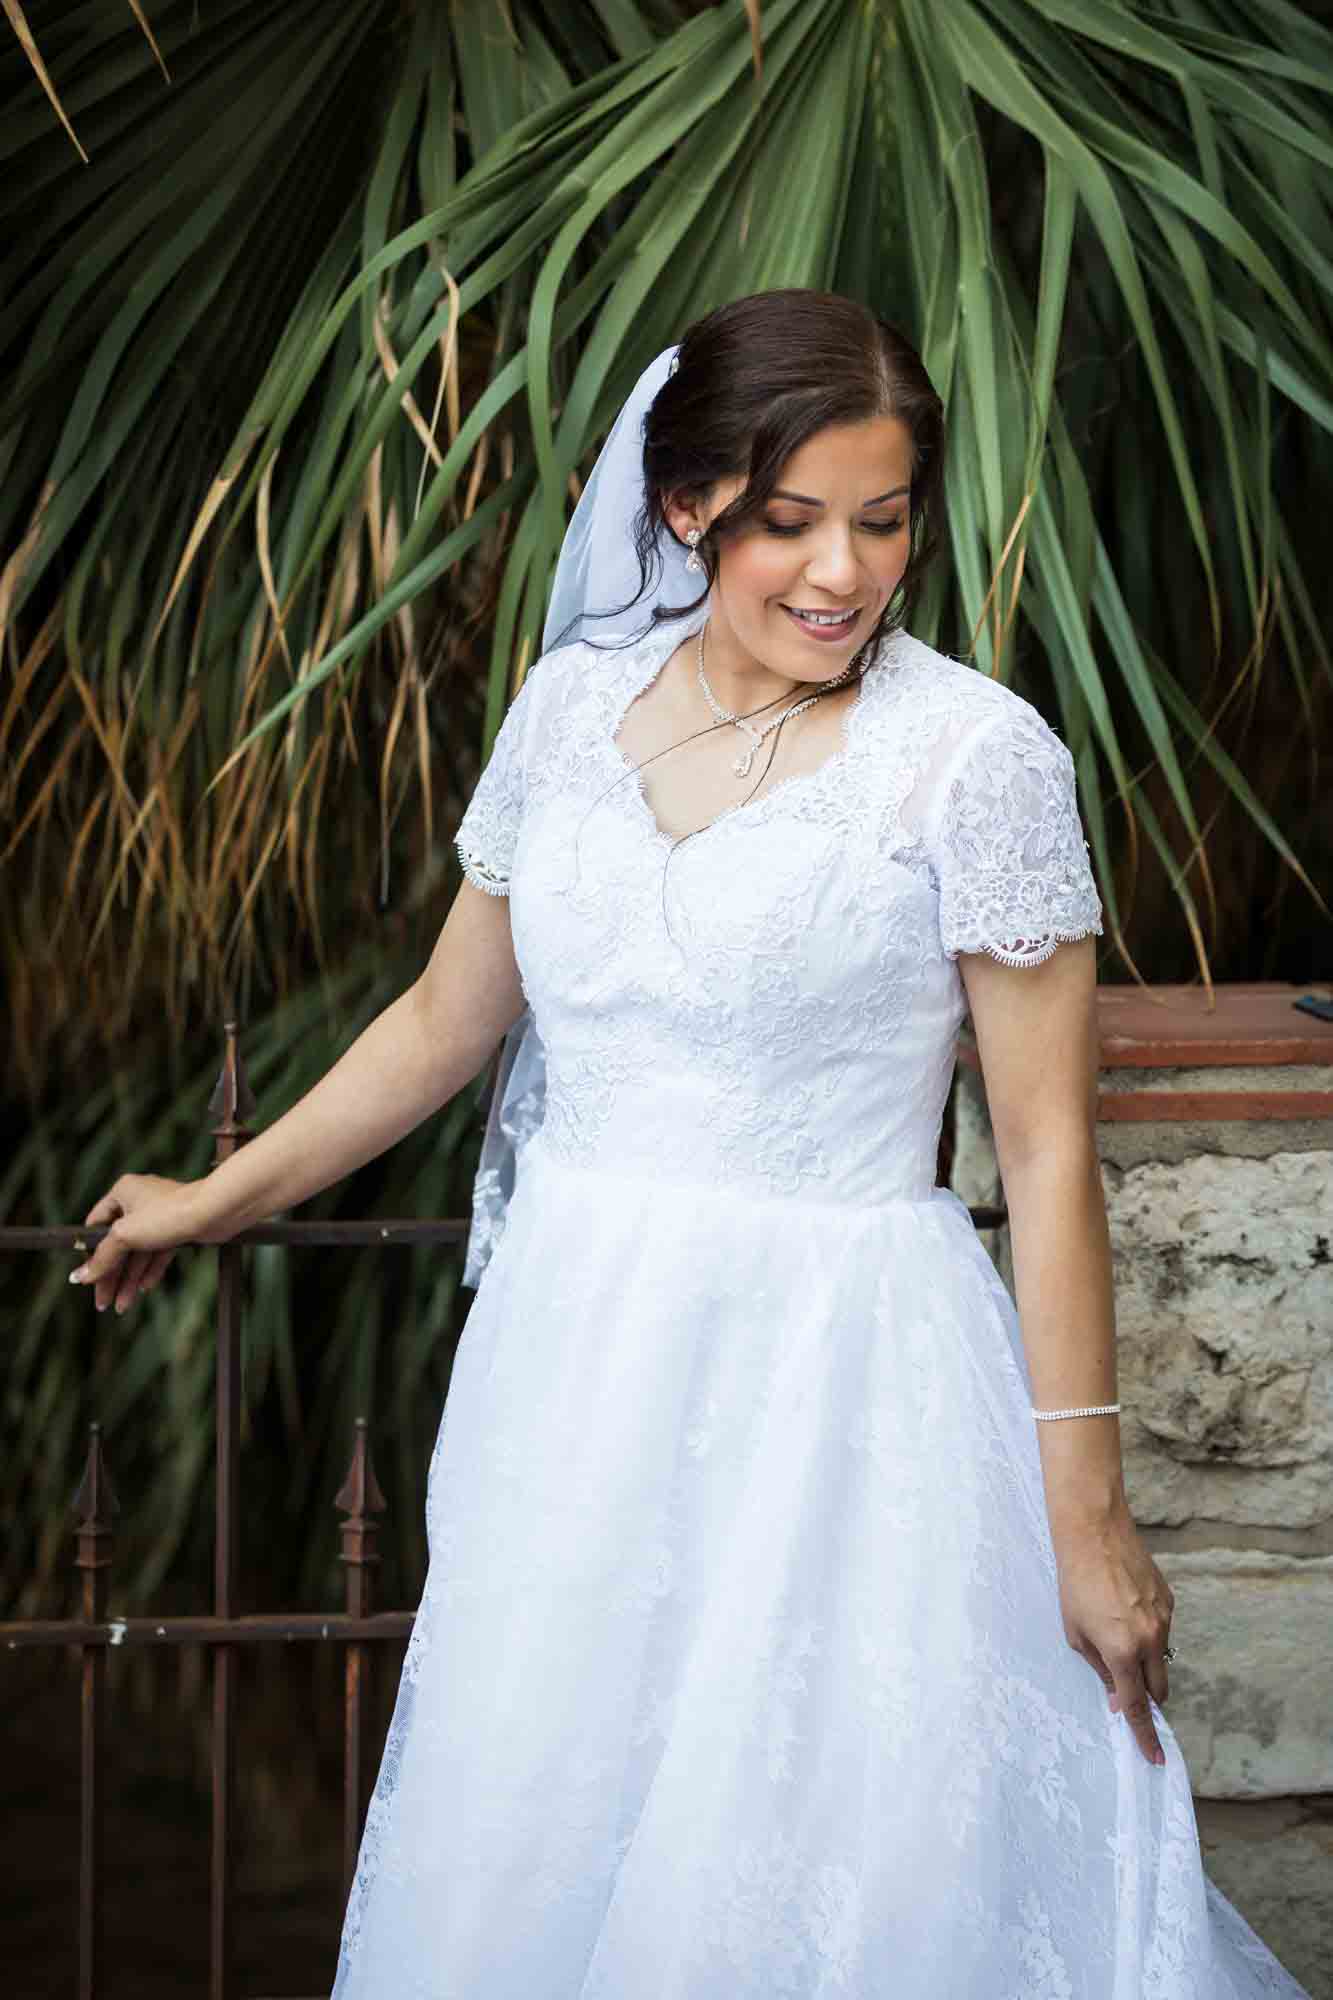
[(1274, 1860), (1224, 1306), (1252, 1683)]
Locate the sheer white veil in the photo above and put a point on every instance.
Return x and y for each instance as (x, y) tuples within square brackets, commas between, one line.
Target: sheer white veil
[(598, 544)]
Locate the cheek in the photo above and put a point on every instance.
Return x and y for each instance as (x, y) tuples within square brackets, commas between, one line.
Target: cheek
[(759, 567), (894, 562)]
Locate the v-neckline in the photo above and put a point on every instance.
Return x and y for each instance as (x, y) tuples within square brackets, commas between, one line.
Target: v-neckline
[(639, 684)]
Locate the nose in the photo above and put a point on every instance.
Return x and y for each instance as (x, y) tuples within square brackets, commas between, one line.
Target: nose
[(832, 564)]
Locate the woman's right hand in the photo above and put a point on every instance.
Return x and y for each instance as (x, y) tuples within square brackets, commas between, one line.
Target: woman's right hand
[(149, 1218)]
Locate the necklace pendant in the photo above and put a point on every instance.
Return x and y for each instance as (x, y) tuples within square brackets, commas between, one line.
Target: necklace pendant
[(742, 764)]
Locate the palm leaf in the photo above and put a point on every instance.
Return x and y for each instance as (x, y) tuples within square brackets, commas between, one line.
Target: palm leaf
[(303, 369)]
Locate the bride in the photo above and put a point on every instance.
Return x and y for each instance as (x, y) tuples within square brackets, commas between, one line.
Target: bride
[(786, 1630)]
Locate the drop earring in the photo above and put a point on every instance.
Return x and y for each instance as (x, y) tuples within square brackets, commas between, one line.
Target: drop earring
[(694, 561)]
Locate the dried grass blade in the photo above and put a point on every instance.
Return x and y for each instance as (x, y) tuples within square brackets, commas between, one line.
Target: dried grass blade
[(411, 408), (121, 869), (38, 651), (67, 910), (213, 499), (48, 789), (142, 19), (19, 22), (292, 825), (32, 738), (386, 772), (448, 385), (756, 38), (11, 576), (264, 546), (242, 920), (423, 760), (403, 616), (1002, 628)]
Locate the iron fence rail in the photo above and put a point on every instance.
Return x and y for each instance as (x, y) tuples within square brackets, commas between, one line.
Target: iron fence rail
[(94, 1634)]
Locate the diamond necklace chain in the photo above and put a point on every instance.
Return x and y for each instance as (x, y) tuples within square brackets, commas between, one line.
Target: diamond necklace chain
[(741, 765)]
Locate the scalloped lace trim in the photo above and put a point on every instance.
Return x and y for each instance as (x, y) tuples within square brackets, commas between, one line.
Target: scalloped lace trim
[(480, 874), (1034, 953)]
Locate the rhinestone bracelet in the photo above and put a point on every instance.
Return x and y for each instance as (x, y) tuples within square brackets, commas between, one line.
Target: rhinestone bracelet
[(1088, 1410)]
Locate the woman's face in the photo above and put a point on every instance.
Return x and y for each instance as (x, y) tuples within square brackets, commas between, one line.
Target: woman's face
[(832, 540)]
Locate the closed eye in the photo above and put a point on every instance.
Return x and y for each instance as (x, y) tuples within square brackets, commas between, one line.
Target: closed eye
[(871, 527)]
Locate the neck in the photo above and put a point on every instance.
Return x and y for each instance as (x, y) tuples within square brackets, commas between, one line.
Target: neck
[(739, 681), (746, 687)]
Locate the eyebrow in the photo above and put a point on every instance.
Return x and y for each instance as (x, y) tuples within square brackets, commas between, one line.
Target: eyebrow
[(808, 500)]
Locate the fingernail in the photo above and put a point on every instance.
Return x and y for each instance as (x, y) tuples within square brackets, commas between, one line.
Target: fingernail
[(77, 1277)]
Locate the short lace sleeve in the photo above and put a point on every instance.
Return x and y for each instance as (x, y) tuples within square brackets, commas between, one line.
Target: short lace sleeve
[(1012, 863), (488, 830)]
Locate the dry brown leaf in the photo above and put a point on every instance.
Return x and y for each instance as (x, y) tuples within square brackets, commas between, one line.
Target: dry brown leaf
[(213, 499), (24, 674), (479, 459), (999, 630), (262, 502), (386, 771), (47, 791), (374, 513), (402, 618), (448, 384), (142, 19), (12, 574), (423, 760), (756, 38), (411, 409), (120, 872), (19, 22)]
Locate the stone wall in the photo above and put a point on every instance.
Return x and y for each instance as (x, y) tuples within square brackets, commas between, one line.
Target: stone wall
[(1222, 1235)]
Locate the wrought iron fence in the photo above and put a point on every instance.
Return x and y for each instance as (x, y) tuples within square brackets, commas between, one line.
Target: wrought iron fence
[(357, 1628)]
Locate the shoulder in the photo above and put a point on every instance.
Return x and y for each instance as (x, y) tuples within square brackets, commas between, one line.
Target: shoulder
[(569, 704), (552, 684), (588, 669), (953, 726), (554, 673), (966, 704), (947, 745)]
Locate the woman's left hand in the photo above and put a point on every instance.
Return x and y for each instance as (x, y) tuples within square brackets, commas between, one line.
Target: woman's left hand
[(1117, 1607)]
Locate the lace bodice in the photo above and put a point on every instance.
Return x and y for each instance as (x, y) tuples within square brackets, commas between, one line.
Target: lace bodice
[(774, 1005)]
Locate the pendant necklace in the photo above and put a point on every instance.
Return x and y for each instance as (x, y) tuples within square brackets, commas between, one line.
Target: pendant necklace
[(741, 765)]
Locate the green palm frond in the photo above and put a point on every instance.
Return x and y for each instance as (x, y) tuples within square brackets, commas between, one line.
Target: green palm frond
[(312, 356), (302, 371)]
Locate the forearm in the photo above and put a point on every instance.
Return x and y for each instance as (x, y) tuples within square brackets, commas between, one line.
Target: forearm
[(1062, 1280), (395, 1073)]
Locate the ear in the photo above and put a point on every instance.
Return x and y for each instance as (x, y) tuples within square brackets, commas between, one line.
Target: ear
[(684, 511)]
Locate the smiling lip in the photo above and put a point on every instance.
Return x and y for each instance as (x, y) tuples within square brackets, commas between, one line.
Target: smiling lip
[(828, 635)]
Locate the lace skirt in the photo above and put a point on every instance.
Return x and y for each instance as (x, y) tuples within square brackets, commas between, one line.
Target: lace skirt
[(739, 1668)]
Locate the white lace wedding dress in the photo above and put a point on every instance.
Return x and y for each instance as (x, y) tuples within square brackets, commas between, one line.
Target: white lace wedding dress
[(739, 1668)]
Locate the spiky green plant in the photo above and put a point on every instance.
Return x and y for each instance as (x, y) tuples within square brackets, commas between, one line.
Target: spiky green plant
[(305, 365)]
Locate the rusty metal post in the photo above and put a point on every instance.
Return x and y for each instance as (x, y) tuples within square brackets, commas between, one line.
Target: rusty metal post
[(231, 1104), (359, 1497), (95, 1504)]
